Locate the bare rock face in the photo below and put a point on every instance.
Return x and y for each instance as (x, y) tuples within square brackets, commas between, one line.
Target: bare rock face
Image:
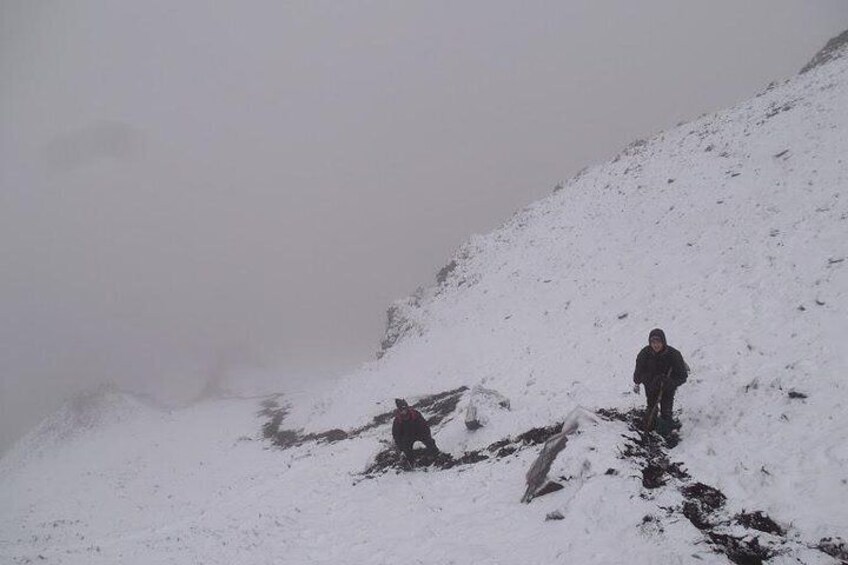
[(834, 49), (400, 322)]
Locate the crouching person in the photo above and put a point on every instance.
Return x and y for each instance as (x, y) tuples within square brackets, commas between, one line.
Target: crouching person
[(408, 427)]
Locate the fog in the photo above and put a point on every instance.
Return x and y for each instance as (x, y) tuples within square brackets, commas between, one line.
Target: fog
[(237, 191)]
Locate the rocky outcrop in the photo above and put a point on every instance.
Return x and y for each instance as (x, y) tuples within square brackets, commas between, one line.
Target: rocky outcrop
[(833, 49)]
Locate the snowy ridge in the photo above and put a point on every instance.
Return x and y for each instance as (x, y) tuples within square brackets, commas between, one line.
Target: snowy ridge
[(84, 414), (729, 232)]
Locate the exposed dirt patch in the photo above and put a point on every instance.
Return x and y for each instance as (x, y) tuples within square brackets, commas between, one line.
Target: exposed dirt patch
[(647, 449), (759, 521), (614, 414), (392, 460), (708, 497), (702, 502), (739, 550)]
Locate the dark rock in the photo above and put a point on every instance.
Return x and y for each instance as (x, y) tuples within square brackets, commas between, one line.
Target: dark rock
[(536, 436), (332, 436), (759, 521), (833, 49), (445, 272), (696, 514), (440, 406), (835, 547), (550, 486)]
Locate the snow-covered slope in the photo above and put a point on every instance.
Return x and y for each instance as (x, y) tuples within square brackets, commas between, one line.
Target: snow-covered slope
[(730, 232)]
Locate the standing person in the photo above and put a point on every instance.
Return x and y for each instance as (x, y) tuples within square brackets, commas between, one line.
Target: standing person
[(660, 367), (408, 427)]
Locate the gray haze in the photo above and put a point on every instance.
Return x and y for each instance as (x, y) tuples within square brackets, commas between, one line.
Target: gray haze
[(205, 190)]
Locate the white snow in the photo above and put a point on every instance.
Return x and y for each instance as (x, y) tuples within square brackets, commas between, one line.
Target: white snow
[(730, 232)]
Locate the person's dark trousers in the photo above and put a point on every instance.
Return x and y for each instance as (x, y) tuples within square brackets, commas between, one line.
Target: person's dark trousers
[(405, 447), (430, 444), (666, 402)]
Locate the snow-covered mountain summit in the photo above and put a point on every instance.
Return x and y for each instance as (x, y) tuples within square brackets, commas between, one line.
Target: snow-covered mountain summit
[(728, 232)]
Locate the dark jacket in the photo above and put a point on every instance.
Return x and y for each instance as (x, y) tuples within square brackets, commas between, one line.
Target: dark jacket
[(409, 426), (652, 368)]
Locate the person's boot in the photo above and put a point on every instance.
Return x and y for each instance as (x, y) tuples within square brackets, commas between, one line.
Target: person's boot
[(407, 463), (664, 426)]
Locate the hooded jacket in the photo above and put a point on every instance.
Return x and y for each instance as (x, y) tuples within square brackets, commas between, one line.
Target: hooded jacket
[(653, 367), (409, 426)]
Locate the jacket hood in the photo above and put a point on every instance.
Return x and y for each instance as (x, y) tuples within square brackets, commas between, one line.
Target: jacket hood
[(656, 332)]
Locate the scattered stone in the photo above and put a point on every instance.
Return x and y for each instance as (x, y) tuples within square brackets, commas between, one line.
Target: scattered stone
[(555, 515), (483, 401), (472, 421), (835, 547), (796, 395)]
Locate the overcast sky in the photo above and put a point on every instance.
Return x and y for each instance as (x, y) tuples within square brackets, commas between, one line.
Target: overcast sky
[(191, 189)]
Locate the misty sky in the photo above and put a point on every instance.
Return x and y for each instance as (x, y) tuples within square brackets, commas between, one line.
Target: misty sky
[(204, 189)]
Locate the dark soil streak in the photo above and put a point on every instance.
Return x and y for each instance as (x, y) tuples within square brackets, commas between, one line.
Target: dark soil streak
[(704, 505), (436, 407)]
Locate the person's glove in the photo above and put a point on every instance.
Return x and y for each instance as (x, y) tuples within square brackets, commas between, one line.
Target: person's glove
[(636, 388)]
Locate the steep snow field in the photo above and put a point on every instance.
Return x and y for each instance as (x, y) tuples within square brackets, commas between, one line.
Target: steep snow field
[(730, 232)]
